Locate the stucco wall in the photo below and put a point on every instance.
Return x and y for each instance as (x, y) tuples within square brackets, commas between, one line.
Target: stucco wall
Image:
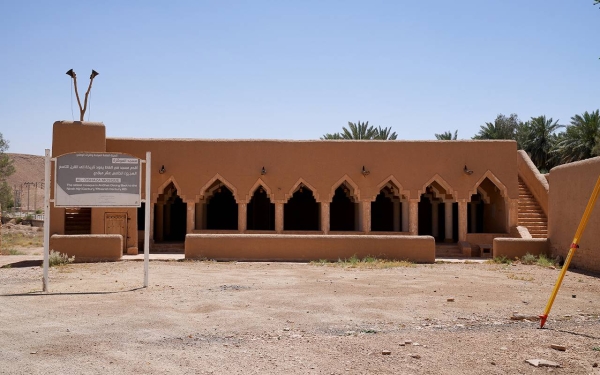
[(89, 248), (571, 186), (420, 249), (323, 164), (518, 247)]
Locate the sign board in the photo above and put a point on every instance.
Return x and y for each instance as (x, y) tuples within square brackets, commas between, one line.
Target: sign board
[(97, 179)]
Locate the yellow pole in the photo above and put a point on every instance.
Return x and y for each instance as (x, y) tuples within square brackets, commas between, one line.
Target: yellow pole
[(574, 246)]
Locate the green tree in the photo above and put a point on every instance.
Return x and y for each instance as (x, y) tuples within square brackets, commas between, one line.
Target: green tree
[(538, 138), (502, 128), (578, 142), (385, 134), (6, 169), (362, 130), (6, 198), (447, 136)]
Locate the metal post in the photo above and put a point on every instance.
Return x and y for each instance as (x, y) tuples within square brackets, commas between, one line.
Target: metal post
[(148, 202), (46, 221)]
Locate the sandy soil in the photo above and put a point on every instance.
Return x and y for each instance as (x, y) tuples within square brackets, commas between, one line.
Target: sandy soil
[(282, 318)]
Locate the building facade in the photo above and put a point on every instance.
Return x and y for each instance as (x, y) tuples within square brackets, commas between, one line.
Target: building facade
[(454, 191)]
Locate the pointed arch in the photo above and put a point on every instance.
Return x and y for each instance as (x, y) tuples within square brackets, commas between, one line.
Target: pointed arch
[(354, 187), (495, 180), (484, 195), (164, 185), (219, 178), (296, 186), (256, 185), (394, 181), (440, 180)]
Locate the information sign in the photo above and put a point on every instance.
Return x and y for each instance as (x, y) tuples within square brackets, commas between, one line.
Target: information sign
[(97, 180)]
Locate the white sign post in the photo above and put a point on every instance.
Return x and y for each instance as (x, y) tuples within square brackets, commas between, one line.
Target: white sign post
[(147, 201), (46, 220), (96, 179)]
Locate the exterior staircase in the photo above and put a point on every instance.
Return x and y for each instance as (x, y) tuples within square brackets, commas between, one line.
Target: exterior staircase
[(450, 250), (531, 215)]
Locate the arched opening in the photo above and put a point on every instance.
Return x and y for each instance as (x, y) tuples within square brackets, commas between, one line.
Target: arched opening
[(261, 212), (301, 212), (343, 210), (221, 209), (170, 219), (426, 216), (438, 214), (386, 211), (487, 210)]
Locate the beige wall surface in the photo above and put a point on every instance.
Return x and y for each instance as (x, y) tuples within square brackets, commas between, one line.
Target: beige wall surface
[(518, 247), (571, 186), (323, 165), (89, 248), (420, 249)]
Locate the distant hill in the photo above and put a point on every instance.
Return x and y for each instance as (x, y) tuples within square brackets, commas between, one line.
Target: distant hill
[(28, 168)]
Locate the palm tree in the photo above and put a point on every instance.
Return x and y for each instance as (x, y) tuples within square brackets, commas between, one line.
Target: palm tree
[(358, 131), (385, 134), (447, 136), (579, 139), (539, 140), (502, 128), (362, 130), (332, 136)]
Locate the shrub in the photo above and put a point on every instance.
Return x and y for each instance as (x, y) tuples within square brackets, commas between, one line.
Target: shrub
[(59, 259), (544, 261), (529, 259)]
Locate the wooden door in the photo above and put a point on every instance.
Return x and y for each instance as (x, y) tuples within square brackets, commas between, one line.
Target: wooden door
[(116, 223)]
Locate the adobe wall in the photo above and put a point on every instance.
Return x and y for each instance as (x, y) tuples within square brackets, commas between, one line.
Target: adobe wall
[(89, 248), (518, 247), (283, 247), (322, 165), (570, 188)]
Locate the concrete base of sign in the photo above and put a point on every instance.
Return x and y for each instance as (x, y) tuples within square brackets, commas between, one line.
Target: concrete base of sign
[(282, 247), (89, 247)]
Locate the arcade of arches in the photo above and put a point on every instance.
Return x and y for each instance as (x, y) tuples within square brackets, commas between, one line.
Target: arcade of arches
[(436, 212)]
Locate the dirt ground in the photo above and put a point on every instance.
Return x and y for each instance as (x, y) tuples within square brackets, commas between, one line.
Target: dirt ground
[(293, 318)]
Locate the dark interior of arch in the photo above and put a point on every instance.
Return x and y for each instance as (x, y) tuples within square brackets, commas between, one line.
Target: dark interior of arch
[(301, 212), (425, 216), (261, 212), (222, 210), (382, 214), (479, 204), (174, 215), (342, 211)]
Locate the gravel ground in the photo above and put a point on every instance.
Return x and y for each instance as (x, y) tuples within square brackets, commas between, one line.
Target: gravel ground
[(293, 318)]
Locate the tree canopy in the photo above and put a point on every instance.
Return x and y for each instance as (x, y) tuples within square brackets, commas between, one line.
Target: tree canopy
[(6, 169), (447, 136), (362, 131)]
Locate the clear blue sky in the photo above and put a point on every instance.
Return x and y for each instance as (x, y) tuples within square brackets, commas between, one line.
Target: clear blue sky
[(293, 69)]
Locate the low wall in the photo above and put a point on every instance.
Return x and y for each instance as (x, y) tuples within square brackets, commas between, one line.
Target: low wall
[(535, 181), (89, 247), (518, 247), (571, 187), (283, 247), (484, 238)]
